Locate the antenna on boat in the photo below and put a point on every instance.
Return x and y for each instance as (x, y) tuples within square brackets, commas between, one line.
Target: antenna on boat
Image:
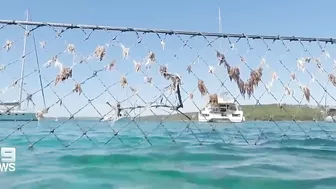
[(219, 21), (23, 59)]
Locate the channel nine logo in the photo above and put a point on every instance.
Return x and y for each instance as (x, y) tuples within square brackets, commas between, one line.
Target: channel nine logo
[(8, 157)]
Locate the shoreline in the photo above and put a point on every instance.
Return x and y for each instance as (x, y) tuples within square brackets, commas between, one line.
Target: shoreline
[(251, 113)]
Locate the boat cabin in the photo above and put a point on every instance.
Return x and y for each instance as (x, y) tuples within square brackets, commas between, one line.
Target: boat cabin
[(223, 108), (331, 112), (8, 106)]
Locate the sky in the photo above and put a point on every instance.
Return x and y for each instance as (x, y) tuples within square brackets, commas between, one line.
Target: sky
[(284, 18)]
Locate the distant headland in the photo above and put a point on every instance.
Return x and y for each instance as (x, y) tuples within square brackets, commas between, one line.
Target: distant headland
[(265, 112)]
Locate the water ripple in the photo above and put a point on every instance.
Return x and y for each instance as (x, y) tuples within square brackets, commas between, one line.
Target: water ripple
[(277, 163)]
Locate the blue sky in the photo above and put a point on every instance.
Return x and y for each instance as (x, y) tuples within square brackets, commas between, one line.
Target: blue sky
[(292, 18)]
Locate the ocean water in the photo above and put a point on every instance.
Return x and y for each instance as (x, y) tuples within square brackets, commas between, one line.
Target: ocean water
[(250, 155)]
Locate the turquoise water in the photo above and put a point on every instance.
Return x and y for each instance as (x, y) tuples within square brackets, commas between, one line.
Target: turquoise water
[(302, 158)]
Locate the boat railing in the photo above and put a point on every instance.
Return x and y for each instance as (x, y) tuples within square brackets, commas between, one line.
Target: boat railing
[(9, 103)]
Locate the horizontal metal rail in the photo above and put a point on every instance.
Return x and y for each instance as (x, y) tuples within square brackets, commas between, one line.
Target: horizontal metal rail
[(164, 31)]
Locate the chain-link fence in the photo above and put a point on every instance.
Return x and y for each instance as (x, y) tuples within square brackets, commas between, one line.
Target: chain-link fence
[(113, 85)]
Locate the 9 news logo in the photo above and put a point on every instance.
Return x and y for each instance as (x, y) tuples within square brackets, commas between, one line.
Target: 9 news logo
[(8, 158)]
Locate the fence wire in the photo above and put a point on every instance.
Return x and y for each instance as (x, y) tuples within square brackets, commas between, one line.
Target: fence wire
[(78, 79)]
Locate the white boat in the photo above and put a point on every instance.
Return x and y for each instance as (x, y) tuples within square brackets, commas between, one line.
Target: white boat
[(224, 111), (115, 118), (15, 114), (118, 115), (329, 112), (330, 115), (11, 111), (330, 119)]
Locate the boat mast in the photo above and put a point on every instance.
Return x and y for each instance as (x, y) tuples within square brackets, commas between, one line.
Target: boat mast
[(23, 59), (38, 67), (220, 42), (325, 105), (325, 101), (219, 26)]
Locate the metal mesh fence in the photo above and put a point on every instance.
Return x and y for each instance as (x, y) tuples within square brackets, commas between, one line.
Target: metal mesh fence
[(97, 85)]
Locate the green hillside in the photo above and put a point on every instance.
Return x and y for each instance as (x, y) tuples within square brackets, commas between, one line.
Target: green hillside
[(260, 112), (287, 112)]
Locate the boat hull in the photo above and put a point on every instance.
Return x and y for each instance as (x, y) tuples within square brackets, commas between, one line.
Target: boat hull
[(116, 119), (330, 119), (122, 119), (18, 116), (220, 119)]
